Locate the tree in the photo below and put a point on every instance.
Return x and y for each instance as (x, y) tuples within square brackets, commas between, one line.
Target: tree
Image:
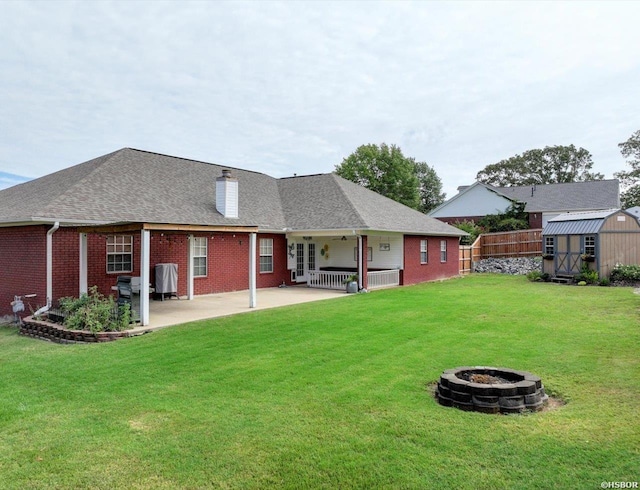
[(630, 179), (551, 165), (385, 170), (431, 195)]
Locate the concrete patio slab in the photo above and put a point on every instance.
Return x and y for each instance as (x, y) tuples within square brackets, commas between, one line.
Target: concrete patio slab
[(176, 311)]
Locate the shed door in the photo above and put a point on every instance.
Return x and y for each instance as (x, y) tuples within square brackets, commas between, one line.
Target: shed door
[(568, 255)]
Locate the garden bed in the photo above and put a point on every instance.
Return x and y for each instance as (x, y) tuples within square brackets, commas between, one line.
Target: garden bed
[(54, 332)]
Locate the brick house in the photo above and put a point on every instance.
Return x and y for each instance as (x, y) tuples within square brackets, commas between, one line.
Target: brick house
[(226, 229)]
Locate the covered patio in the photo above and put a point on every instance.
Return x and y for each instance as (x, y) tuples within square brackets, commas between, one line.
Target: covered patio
[(176, 311)]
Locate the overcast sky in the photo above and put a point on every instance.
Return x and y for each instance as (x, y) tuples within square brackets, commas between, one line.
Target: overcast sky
[(295, 87)]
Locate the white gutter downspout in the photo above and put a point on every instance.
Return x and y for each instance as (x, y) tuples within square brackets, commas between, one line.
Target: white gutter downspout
[(50, 233)]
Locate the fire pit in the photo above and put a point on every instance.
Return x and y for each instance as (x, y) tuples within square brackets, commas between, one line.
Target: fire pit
[(490, 390)]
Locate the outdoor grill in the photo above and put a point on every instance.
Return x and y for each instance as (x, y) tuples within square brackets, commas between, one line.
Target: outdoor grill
[(129, 293)]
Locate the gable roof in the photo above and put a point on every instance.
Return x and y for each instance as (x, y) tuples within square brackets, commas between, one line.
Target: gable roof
[(138, 186), (143, 187), (329, 202), (570, 196)]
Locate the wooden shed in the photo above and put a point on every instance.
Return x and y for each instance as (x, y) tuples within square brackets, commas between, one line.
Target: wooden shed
[(599, 239)]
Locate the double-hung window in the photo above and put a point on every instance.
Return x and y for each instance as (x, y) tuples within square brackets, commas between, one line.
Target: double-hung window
[(549, 245), (199, 256), (266, 255), (590, 245), (443, 250), (424, 256), (120, 253)]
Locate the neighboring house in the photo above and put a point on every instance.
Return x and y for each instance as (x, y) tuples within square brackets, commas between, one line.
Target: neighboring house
[(635, 210), (227, 230), (600, 239), (542, 202)]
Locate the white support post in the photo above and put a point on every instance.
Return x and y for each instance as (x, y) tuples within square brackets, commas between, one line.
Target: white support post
[(252, 270), (50, 233), (145, 264), (360, 264), (190, 285), (83, 279)]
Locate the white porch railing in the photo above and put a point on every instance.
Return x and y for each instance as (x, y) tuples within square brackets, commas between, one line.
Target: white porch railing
[(383, 279), (335, 279), (327, 279)]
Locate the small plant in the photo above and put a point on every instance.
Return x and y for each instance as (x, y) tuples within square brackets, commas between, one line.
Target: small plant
[(534, 276), (604, 282), (351, 278), (587, 275), (538, 276), (95, 312)]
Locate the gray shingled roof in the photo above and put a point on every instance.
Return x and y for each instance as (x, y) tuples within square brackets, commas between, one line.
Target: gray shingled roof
[(573, 196), (143, 187), (329, 202), (137, 186)]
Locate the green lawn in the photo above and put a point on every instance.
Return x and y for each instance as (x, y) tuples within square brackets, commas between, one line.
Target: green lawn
[(334, 394)]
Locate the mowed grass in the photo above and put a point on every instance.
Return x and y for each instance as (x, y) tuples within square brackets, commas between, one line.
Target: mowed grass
[(334, 394)]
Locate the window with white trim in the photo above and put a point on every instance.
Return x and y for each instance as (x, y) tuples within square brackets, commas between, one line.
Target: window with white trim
[(266, 255), (549, 245), (590, 245), (199, 256), (424, 256), (443, 250), (120, 253)]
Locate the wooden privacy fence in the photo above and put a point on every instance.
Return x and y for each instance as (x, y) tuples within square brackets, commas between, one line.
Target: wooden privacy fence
[(466, 258), (521, 243)]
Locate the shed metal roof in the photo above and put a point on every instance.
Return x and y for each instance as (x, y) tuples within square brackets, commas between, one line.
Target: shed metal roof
[(579, 227), (580, 223)]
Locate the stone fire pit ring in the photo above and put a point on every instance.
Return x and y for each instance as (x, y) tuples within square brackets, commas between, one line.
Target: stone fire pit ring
[(490, 390)]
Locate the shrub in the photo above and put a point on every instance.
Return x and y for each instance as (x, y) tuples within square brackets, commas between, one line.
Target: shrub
[(625, 273), (95, 312), (604, 282), (538, 276), (587, 275), (534, 276), (470, 227), (514, 218)]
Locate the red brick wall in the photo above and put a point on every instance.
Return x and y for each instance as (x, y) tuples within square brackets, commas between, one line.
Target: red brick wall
[(535, 220), (168, 248), (66, 265), (227, 261), (97, 274), (23, 262), (415, 272), (23, 258)]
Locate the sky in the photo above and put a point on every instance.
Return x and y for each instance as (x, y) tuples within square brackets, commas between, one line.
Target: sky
[(294, 87)]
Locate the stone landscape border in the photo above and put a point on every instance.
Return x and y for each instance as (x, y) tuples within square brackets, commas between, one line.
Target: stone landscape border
[(44, 330), (521, 391)]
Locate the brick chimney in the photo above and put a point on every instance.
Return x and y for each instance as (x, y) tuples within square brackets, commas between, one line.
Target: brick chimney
[(227, 195)]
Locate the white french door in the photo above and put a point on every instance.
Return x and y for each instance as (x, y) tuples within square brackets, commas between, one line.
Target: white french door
[(305, 260)]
